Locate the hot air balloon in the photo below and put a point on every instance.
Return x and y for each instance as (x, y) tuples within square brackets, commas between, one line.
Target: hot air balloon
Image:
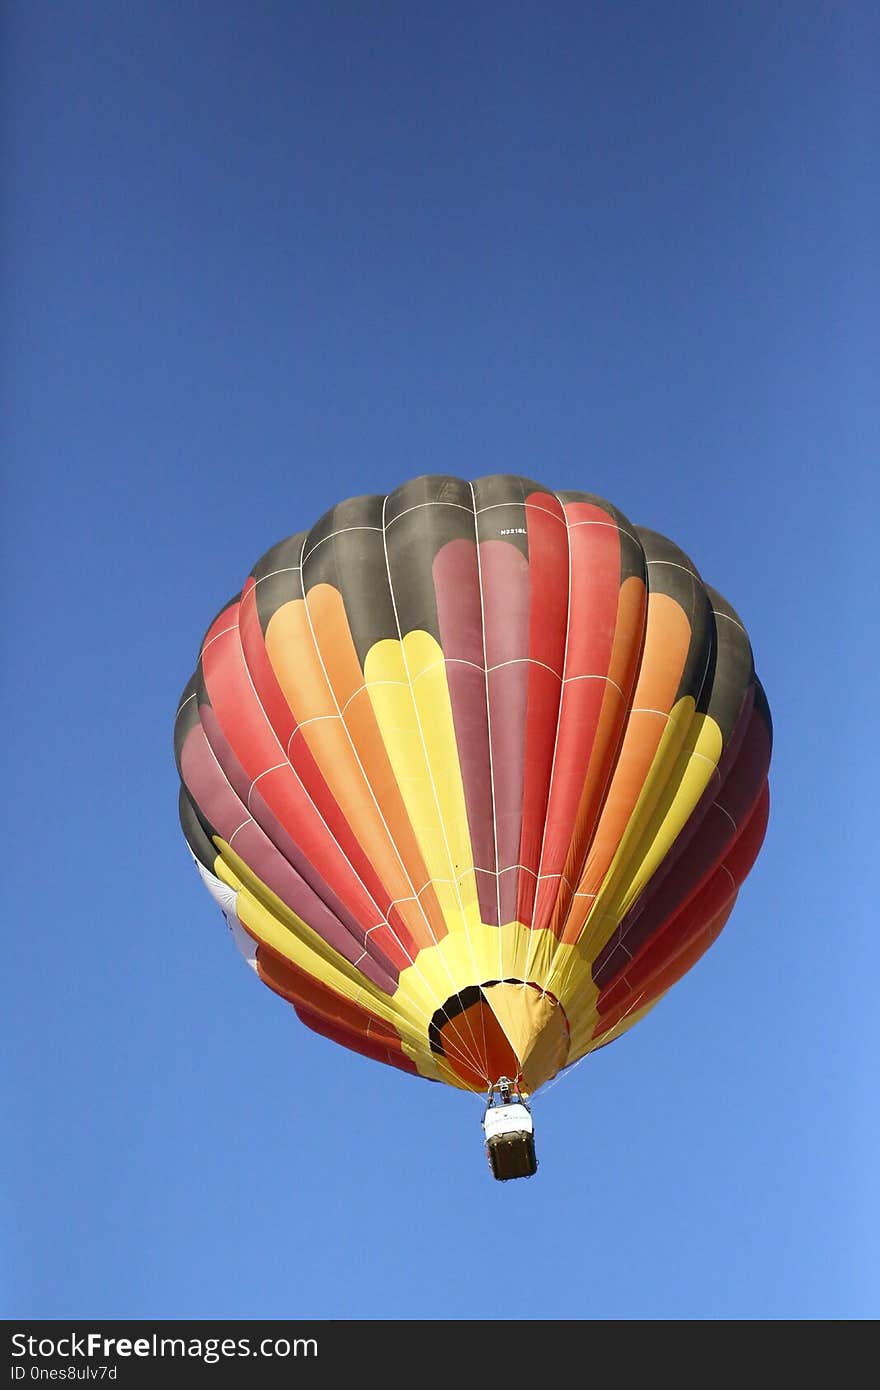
[(475, 772)]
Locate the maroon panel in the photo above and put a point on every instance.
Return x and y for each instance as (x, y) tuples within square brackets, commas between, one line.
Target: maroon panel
[(459, 614), (483, 614)]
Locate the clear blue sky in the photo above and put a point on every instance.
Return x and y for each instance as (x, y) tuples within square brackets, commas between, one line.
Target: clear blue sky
[(257, 257)]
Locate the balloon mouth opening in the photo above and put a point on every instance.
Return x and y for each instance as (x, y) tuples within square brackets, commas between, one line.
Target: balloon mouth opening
[(504, 1027)]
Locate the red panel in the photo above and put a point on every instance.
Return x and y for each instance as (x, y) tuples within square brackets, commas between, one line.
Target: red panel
[(506, 616), (548, 618), (271, 696), (377, 1051), (592, 620)]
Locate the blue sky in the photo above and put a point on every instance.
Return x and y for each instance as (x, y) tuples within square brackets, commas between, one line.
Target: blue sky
[(259, 257)]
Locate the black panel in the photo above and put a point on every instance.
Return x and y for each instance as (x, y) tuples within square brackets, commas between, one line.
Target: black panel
[(278, 577), (351, 559), (762, 707), (734, 669)]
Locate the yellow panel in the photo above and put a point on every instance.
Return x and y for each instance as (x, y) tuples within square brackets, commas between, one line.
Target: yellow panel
[(410, 696)]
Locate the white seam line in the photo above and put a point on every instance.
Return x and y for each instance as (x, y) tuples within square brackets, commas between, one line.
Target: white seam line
[(418, 506), (217, 636), (343, 531), (736, 623), (314, 719), (607, 679), (526, 661), (475, 511), (249, 820), (674, 565), (259, 776), (285, 569)]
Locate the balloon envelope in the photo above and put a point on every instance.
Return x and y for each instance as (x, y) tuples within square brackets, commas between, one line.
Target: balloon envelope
[(475, 772)]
